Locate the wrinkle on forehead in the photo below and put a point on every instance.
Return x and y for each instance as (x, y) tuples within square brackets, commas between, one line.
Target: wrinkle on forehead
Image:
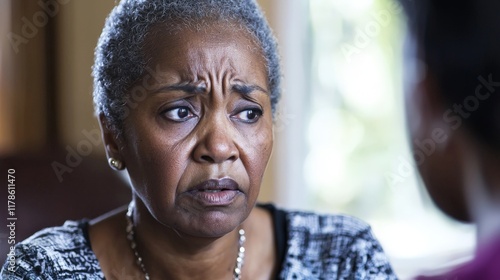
[(203, 63), (175, 31), (226, 53)]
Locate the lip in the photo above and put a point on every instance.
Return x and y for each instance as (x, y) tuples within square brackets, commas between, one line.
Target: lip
[(215, 192)]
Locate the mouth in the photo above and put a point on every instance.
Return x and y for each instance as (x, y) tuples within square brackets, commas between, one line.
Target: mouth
[(215, 185), (215, 192)]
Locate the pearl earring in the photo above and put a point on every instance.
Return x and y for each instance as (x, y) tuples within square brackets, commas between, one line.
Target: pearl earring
[(116, 164)]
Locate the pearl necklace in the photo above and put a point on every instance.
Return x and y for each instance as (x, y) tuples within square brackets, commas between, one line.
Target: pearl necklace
[(133, 245)]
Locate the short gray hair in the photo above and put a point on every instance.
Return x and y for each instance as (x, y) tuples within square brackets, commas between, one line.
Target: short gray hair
[(119, 59)]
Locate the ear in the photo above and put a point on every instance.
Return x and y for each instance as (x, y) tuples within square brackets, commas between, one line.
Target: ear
[(111, 141), (424, 104)]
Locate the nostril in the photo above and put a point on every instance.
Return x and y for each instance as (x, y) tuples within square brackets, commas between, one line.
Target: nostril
[(207, 158)]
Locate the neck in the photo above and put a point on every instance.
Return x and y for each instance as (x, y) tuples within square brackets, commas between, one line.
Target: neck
[(483, 194), (169, 254), (486, 212)]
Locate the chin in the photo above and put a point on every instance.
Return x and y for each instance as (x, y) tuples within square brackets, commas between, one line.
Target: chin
[(450, 203), (213, 225), (210, 223), (445, 187)]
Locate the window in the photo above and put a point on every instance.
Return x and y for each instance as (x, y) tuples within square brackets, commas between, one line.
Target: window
[(341, 142)]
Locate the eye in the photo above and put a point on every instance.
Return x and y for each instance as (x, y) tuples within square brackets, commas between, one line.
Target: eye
[(178, 114), (249, 115)]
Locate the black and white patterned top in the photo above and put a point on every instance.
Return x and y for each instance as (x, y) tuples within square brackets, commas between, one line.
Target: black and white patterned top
[(309, 246)]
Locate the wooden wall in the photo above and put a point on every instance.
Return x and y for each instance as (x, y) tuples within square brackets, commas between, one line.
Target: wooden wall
[(46, 84)]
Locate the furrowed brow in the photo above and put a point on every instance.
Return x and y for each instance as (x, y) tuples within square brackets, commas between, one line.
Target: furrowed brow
[(188, 88), (247, 89)]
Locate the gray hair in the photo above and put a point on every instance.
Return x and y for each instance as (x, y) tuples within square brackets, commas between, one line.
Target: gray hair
[(119, 57)]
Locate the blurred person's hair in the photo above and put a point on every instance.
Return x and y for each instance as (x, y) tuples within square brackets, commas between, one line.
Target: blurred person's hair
[(459, 43)]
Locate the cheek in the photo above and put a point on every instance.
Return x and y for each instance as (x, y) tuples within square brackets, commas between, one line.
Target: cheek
[(157, 163), (441, 174), (437, 161), (258, 152)]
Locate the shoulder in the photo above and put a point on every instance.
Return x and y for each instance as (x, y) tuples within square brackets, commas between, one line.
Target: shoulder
[(54, 253), (341, 234), (336, 246), (313, 223), (484, 266)]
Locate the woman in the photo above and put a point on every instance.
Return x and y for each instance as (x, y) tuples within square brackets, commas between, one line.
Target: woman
[(185, 92), (452, 105)]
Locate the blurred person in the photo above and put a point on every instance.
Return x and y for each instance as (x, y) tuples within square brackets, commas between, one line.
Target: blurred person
[(185, 92), (452, 104)]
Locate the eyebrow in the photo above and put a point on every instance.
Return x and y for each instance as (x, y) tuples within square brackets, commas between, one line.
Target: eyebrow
[(247, 89), (188, 88), (196, 89)]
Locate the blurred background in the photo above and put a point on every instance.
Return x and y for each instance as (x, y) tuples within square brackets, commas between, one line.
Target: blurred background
[(340, 146)]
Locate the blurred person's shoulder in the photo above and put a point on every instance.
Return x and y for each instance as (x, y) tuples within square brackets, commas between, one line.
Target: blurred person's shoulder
[(484, 266), (62, 252)]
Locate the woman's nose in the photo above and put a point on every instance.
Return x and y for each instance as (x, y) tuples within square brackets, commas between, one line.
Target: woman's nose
[(216, 144)]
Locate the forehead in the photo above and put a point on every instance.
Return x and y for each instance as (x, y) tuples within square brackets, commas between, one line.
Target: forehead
[(208, 44)]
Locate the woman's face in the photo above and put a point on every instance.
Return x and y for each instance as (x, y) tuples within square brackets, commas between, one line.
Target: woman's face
[(197, 146)]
